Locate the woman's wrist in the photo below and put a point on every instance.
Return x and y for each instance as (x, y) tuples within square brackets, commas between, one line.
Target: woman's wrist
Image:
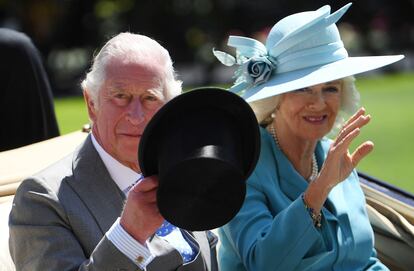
[(315, 196), (316, 216)]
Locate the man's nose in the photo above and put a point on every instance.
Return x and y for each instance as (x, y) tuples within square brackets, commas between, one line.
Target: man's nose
[(136, 114)]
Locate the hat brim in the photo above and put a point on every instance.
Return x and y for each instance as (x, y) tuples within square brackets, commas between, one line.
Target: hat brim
[(289, 81)]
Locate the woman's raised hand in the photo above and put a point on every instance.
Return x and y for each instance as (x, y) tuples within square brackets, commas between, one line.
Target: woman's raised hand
[(339, 162)]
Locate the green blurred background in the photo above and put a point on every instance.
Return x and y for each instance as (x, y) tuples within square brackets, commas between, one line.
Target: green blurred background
[(388, 98)]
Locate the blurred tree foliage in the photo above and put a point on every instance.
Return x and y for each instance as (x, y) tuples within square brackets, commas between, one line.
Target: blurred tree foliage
[(67, 32)]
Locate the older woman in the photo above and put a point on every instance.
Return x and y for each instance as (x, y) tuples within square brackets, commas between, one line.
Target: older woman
[(304, 208)]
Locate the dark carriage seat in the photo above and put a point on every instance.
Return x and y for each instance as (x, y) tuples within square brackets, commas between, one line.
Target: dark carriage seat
[(391, 213)]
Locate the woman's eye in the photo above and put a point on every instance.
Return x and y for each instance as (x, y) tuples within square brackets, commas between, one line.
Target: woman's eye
[(301, 90), (331, 89)]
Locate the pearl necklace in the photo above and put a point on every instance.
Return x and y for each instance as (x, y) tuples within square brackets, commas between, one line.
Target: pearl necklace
[(315, 168)]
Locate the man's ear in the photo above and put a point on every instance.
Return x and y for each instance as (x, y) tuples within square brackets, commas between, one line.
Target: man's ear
[(91, 105)]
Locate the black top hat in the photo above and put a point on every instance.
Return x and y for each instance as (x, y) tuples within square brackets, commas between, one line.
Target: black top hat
[(203, 145)]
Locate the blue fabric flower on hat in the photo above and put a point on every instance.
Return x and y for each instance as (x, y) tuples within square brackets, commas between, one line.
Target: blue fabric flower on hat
[(256, 66), (257, 70)]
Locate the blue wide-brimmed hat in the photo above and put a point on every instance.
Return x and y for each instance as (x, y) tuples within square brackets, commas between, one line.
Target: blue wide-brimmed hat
[(302, 50)]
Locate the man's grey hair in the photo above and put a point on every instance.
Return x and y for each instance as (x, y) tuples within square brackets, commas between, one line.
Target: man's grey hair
[(133, 48)]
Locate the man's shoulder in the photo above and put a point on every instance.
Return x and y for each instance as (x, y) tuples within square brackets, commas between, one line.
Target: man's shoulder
[(63, 169), (49, 179), (58, 170)]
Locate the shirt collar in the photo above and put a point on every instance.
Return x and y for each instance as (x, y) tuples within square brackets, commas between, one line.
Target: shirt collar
[(122, 175)]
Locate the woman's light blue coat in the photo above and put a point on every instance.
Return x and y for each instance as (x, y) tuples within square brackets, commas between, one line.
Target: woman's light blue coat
[(273, 230)]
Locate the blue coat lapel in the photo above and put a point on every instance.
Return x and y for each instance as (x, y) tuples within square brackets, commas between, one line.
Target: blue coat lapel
[(290, 181)]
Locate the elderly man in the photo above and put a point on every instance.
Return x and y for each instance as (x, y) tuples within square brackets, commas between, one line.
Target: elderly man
[(93, 210)]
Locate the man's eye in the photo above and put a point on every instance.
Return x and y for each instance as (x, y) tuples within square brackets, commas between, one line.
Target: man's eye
[(120, 96), (150, 98), (121, 99)]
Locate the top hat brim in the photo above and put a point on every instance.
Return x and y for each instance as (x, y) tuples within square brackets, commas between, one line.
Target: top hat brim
[(200, 192), (293, 80)]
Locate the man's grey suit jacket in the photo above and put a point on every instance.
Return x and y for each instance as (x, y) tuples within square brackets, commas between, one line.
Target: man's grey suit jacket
[(60, 216)]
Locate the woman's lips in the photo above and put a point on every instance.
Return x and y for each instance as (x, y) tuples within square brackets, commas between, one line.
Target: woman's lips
[(315, 119)]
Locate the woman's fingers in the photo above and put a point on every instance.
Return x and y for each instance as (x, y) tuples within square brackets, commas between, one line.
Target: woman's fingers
[(355, 116), (363, 150), (360, 112), (342, 146), (359, 122)]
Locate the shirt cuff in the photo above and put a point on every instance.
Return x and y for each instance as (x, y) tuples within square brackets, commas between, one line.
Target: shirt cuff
[(130, 247)]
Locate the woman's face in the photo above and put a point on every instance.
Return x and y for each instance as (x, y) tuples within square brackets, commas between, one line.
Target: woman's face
[(310, 113)]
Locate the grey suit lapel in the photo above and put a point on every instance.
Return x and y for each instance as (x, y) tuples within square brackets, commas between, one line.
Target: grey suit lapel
[(95, 187)]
